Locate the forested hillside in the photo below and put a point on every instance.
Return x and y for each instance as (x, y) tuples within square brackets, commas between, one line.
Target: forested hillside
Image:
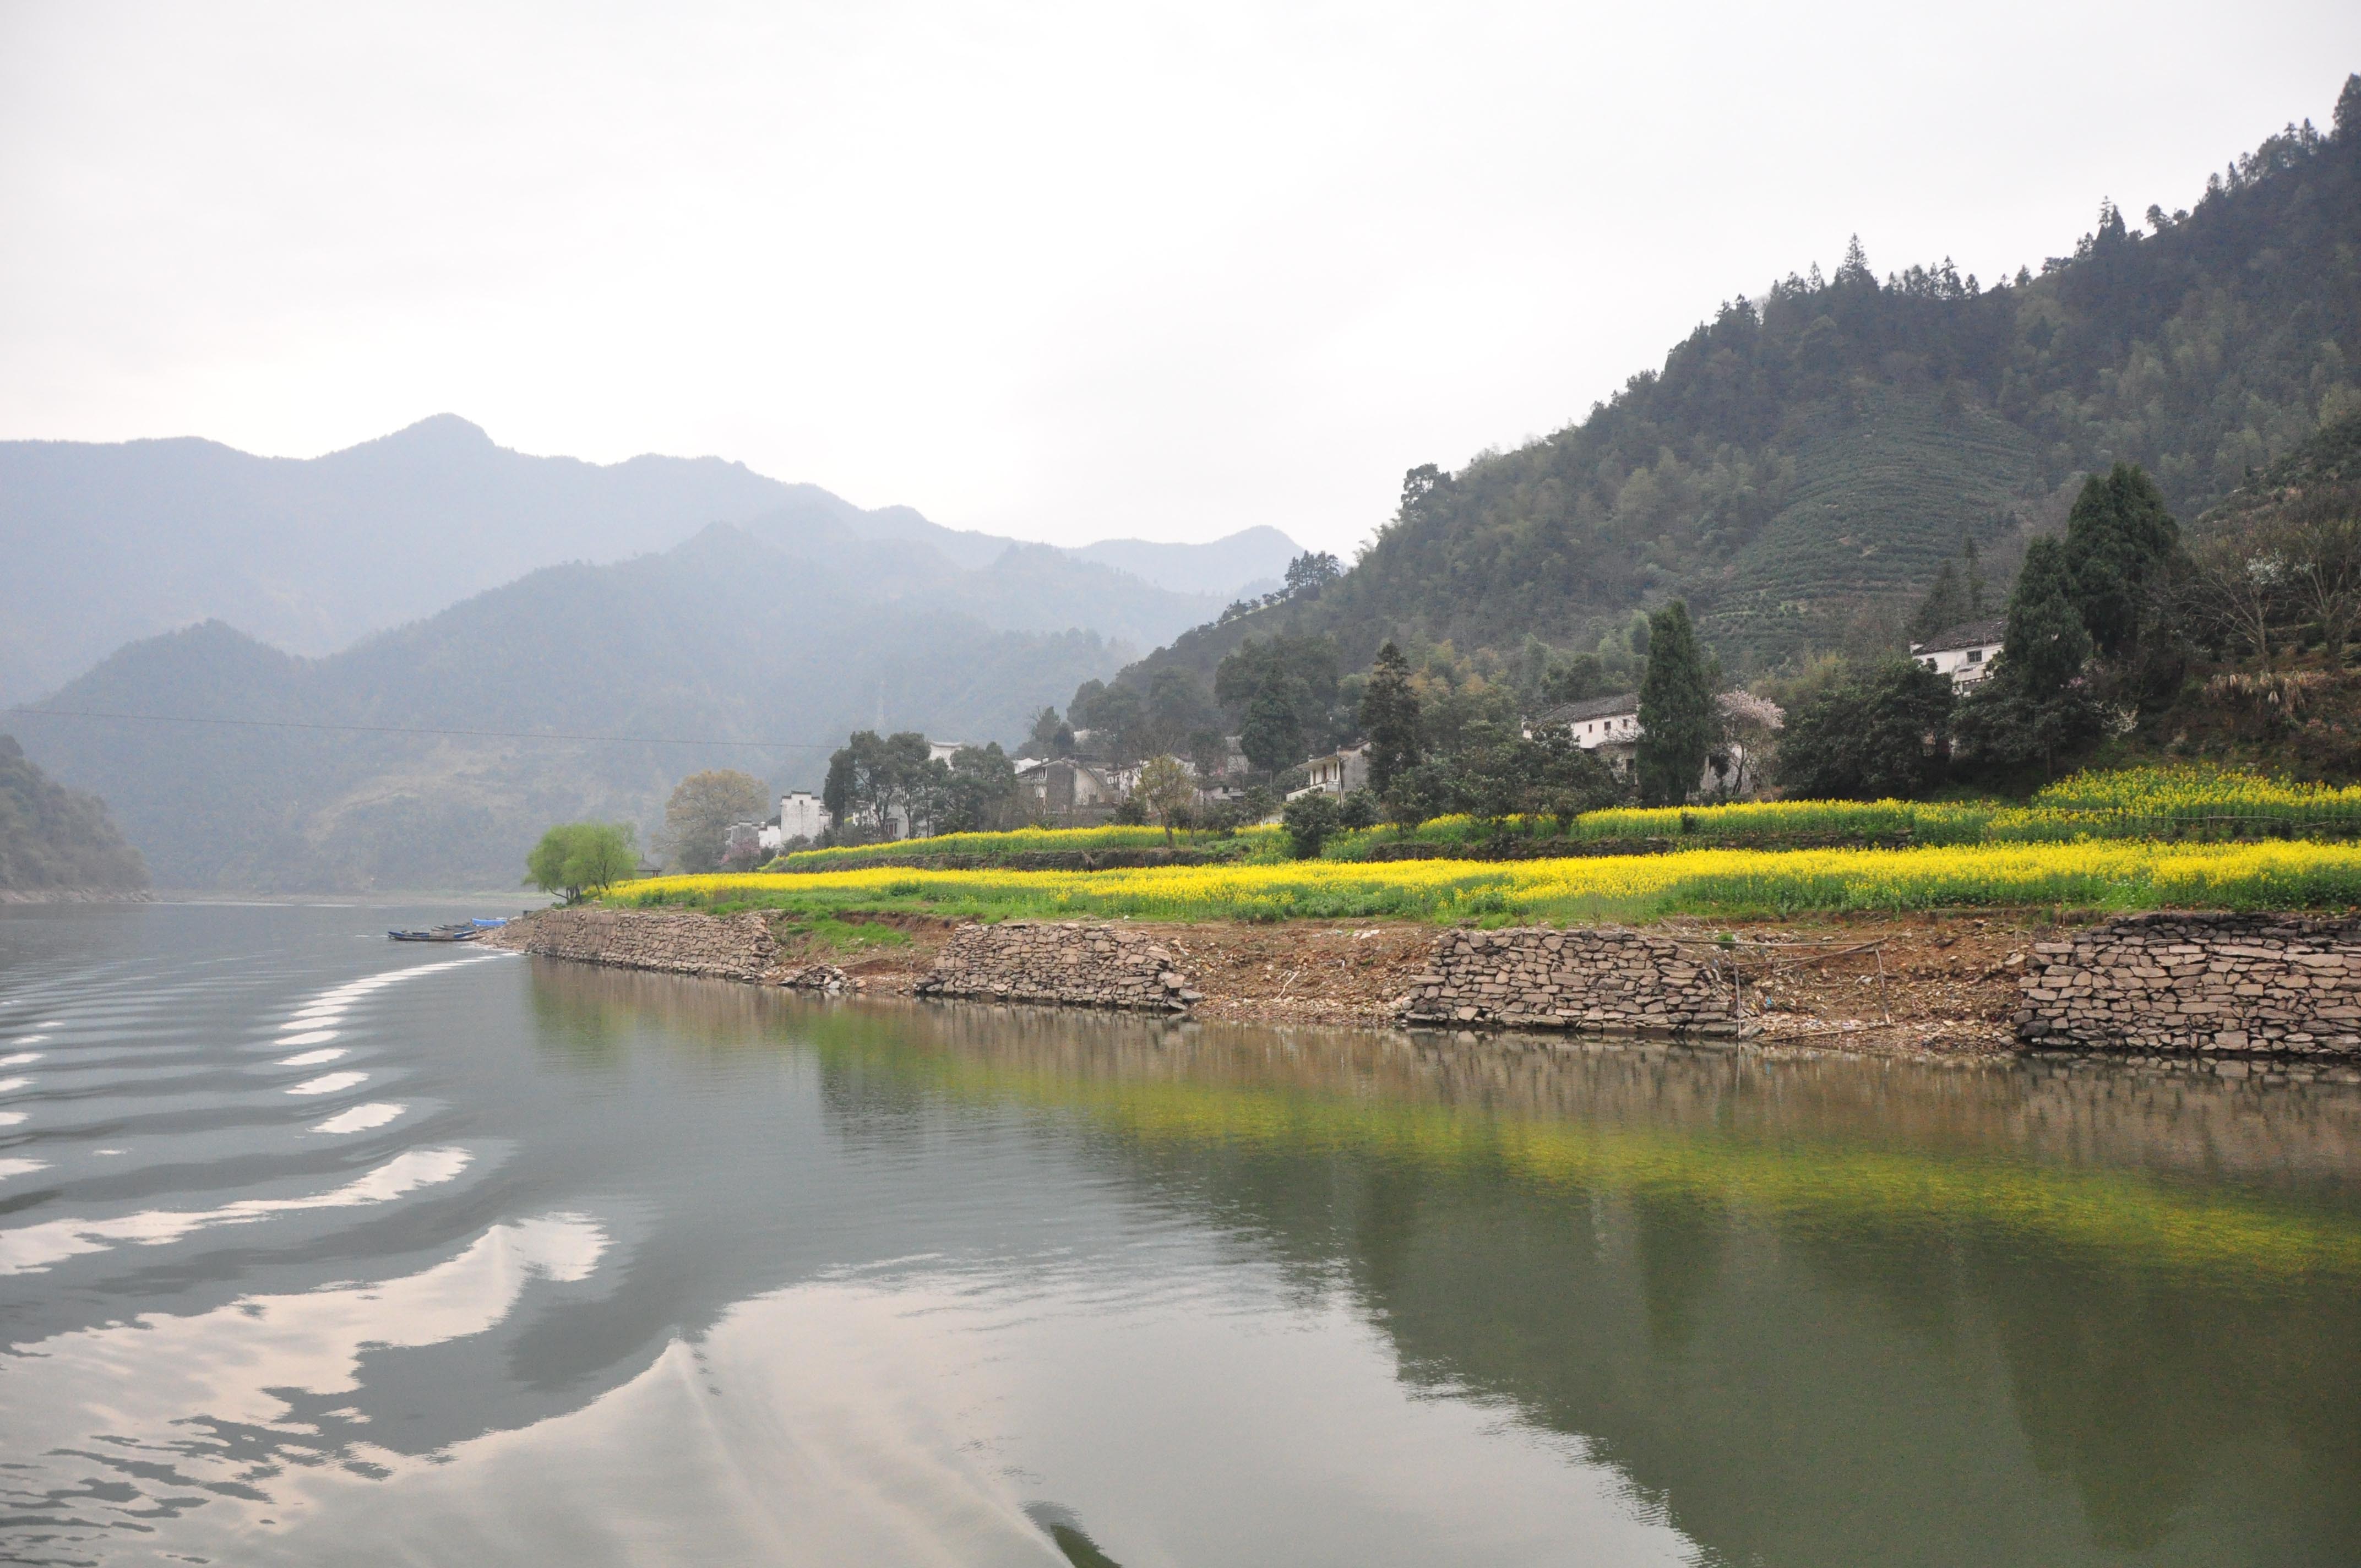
[(53, 837), (1809, 457), (725, 638)]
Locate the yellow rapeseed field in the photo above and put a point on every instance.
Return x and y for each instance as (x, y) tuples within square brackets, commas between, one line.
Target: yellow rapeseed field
[(2103, 874)]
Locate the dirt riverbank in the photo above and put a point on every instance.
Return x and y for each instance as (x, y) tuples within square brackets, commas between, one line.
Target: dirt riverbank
[(1929, 985)]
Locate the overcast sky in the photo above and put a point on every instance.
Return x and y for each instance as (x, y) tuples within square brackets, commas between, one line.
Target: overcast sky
[(1063, 271)]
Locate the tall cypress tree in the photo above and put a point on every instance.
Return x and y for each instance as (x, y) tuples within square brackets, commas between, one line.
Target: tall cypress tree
[(1390, 719), (1675, 709), (2046, 642), (2119, 542)]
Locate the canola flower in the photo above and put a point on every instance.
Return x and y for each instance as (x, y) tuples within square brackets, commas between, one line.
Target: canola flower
[(2201, 793), (1016, 842), (2117, 874)]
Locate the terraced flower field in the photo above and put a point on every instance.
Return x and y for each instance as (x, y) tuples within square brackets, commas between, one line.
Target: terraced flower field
[(2120, 874)]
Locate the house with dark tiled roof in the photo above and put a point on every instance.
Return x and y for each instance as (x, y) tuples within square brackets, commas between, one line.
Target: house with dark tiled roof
[(1608, 725), (1964, 651)]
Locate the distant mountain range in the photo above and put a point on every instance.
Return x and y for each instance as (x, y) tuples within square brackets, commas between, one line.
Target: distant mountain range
[(434, 581), (792, 633), (106, 544)]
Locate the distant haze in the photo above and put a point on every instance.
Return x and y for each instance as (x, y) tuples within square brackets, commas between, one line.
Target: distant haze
[(108, 543), (1056, 270)]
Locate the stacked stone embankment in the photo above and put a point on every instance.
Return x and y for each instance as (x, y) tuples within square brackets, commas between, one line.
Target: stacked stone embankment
[(2173, 983), (1600, 980), (736, 947), (1059, 963)]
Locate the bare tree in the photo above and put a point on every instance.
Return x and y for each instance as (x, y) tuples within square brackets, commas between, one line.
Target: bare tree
[(2237, 589), (1166, 792), (2320, 541)]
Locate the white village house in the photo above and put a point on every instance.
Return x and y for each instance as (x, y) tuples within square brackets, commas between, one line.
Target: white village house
[(1338, 772), (1964, 651), (801, 816), (1610, 727)]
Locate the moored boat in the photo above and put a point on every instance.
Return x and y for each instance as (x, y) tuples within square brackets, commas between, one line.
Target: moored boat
[(466, 931)]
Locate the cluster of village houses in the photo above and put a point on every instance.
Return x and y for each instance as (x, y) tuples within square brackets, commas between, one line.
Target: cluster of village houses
[(1073, 792)]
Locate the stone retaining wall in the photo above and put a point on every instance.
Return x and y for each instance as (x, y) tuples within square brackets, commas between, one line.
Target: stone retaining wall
[(2168, 983), (1598, 979), (736, 947), (1062, 963)]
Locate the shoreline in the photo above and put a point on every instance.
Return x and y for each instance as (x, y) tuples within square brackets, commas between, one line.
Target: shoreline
[(1941, 986)]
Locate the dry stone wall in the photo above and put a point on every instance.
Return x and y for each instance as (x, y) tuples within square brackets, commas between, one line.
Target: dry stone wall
[(1060, 963), (2174, 983), (1599, 980), (736, 947)]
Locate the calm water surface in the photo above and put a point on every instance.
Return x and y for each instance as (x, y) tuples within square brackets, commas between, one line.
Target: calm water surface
[(315, 1249)]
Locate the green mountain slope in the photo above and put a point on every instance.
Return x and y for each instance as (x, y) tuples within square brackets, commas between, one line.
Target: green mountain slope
[(1821, 448), (53, 837)]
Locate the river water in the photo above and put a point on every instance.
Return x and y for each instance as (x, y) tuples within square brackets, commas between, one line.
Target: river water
[(318, 1249)]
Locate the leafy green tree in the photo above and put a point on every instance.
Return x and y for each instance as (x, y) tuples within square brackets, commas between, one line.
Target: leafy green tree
[(1309, 820), (1272, 737), (975, 792), (1676, 712), (1580, 679), (1311, 572), (1308, 670), (1389, 718), (873, 778), (577, 859), (703, 807), (1166, 793), (1867, 733), (2120, 545), (1433, 788)]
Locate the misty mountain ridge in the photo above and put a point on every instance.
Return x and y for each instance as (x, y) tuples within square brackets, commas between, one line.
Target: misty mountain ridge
[(110, 542), (725, 637)]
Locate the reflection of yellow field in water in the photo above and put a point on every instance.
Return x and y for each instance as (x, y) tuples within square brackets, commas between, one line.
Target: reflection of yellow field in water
[(1174, 1095), (2117, 874)]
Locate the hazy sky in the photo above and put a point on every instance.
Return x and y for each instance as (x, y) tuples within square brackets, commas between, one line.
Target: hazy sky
[(1058, 270)]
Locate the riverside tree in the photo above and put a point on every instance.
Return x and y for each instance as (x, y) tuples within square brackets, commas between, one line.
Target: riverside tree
[(703, 808), (1677, 711), (575, 860)]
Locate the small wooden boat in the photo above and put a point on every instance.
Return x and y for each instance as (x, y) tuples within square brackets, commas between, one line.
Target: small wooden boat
[(466, 931)]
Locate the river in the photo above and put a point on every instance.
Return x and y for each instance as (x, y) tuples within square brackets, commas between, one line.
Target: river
[(318, 1249)]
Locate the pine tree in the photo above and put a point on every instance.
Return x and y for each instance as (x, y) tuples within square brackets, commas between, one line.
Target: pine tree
[(1945, 605), (1976, 586), (1675, 709), (2045, 643), (1390, 719)]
